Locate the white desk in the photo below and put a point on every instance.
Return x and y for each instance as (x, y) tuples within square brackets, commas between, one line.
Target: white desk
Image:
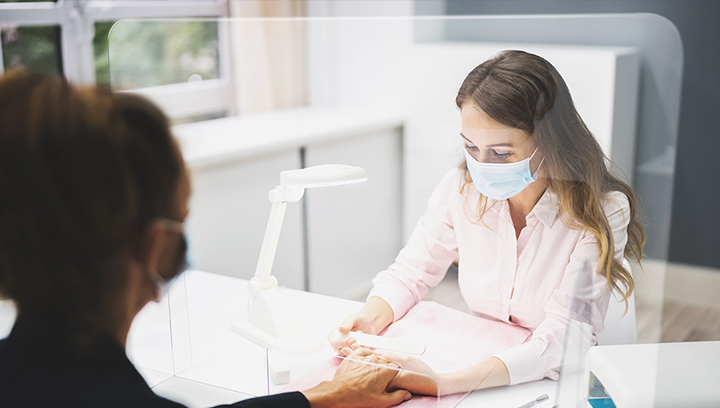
[(184, 347), (214, 375)]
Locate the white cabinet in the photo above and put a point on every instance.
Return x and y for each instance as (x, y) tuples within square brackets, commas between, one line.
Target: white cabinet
[(229, 210), (353, 231)]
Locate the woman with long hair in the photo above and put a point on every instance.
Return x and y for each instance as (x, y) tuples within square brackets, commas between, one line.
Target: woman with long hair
[(93, 196), (533, 201)]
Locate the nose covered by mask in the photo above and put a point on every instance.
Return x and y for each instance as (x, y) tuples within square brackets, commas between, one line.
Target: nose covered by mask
[(180, 264), (501, 181)]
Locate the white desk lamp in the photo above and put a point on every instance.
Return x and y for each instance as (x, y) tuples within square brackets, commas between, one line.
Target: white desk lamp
[(271, 321)]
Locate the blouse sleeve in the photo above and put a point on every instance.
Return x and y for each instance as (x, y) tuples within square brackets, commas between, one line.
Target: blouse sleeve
[(580, 298), (424, 260)]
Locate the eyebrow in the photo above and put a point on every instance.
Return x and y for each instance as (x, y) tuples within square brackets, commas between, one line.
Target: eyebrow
[(492, 145)]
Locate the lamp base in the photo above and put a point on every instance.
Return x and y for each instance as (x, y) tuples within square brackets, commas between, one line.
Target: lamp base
[(294, 346)]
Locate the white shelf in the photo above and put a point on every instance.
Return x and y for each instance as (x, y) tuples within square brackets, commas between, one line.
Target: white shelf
[(219, 141)]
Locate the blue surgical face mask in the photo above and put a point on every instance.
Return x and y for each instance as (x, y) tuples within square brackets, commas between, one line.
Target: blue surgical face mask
[(500, 181)]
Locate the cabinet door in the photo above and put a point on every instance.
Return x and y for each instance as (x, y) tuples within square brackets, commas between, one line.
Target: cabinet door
[(229, 211), (353, 231)]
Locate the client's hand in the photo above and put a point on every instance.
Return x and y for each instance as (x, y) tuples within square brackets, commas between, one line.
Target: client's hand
[(345, 345), (414, 376), (361, 380)]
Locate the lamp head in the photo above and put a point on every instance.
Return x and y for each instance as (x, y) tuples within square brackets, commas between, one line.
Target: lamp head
[(323, 176)]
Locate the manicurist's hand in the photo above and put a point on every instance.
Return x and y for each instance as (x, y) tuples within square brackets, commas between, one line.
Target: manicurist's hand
[(418, 378), (373, 318), (343, 344), (361, 380), (415, 375)]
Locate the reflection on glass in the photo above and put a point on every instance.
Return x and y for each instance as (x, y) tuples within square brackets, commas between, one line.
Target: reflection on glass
[(163, 53), (36, 48), (102, 69)]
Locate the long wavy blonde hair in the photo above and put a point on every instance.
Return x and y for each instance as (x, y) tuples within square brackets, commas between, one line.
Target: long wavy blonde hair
[(522, 90)]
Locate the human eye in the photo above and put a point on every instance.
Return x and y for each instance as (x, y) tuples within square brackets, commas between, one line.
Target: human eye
[(470, 148), (500, 155)]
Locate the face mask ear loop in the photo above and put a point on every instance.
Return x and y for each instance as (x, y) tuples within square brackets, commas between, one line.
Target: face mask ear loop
[(158, 281), (538, 167)]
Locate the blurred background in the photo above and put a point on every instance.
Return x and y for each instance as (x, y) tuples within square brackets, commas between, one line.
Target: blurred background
[(249, 98)]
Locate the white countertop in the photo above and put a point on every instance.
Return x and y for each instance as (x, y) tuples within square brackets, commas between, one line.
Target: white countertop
[(218, 141), (233, 366)]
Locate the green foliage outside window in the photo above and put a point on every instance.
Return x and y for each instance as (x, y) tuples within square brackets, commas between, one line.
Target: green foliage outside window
[(35, 48), (159, 52), (144, 53)]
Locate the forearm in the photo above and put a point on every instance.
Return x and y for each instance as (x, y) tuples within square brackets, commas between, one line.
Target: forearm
[(423, 381), (489, 373), (379, 312)]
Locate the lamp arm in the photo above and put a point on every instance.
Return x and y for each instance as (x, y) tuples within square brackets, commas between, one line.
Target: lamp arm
[(269, 244), (279, 197)]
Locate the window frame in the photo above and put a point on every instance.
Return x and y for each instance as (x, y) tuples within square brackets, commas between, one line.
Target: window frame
[(77, 18)]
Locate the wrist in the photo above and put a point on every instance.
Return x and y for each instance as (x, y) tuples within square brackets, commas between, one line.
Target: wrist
[(448, 383), (327, 394), (378, 312)]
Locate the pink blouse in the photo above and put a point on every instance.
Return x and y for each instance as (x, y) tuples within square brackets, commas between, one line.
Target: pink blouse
[(529, 280)]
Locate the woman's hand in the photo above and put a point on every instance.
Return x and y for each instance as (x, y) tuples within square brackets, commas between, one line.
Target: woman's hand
[(374, 317), (415, 375), (418, 378), (361, 380), (343, 344)]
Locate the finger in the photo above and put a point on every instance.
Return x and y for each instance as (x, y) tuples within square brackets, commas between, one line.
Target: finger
[(337, 341), (361, 352), (346, 351), (348, 323), (392, 357), (397, 397)]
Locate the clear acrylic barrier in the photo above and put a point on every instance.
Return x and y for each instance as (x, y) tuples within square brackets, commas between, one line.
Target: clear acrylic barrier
[(212, 354), (339, 70), (150, 340)]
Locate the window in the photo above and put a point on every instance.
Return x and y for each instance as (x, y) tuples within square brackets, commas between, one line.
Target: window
[(70, 38), (36, 48)]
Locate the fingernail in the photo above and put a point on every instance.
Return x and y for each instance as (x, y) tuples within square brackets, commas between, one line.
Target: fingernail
[(407, 396)]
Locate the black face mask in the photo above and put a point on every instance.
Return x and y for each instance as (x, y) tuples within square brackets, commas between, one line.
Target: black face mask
[(179, 263)]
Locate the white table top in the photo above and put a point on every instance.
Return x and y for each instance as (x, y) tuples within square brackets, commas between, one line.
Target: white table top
[(214, 376)]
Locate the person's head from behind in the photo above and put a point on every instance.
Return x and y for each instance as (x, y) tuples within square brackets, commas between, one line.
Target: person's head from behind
[(92, 190), (516, 107)]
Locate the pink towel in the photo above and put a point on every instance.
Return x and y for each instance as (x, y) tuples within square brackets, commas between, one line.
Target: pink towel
[(454, 340)]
